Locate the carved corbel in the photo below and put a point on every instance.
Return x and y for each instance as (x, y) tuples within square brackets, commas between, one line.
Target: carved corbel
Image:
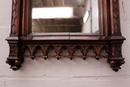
[(116, 59), (15, 58)]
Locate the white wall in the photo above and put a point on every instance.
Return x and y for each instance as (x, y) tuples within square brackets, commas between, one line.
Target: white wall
[(63, 73)]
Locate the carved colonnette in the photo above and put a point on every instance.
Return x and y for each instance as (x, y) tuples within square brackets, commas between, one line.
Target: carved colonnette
[(15, 58), (15, 18), (115, 18), (109, 40), (115, 57)]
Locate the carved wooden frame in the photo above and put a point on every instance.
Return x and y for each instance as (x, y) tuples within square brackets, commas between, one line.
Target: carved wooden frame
[(109, 38)]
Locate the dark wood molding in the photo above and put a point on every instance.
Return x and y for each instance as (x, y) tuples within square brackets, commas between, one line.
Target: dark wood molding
[(115, 18), (109, 39), (15, 18)]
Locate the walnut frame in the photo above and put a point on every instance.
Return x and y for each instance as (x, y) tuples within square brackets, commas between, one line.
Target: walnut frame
[(110, 37)]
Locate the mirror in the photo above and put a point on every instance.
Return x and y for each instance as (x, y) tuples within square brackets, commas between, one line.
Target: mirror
[(65, 16)]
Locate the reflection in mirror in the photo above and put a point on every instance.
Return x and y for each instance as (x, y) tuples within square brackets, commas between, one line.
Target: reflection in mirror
[(65, 16)]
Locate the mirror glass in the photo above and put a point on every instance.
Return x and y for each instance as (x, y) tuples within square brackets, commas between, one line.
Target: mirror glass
[(65, 16)]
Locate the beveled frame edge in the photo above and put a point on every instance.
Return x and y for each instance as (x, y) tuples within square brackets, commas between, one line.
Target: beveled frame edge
[(110, 37)]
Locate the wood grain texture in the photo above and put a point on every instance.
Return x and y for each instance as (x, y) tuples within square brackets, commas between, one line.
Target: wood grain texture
[(109, 39), (115, 18), (15, 18)]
